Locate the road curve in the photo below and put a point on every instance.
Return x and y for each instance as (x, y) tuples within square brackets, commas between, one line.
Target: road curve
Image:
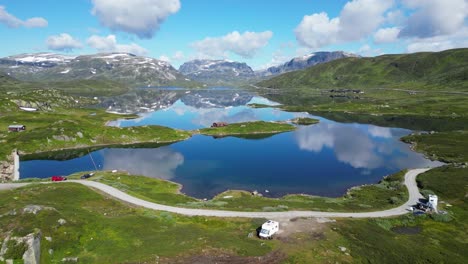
[(410, 182), (9, 186)]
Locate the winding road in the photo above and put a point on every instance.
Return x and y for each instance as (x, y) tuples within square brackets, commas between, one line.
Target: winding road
[(410, 182)]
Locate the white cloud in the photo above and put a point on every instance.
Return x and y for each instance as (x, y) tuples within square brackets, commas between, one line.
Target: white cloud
[(13, 22), (386, 35), (63, 42), (164, 58), (317, 30), (278, 57), (434, 17), (357, 20), (140, 17), (109, 44), (35, 22), (244, 45), (367, 51), (178, 55), (395, 17), (439, 43), (429, 46)]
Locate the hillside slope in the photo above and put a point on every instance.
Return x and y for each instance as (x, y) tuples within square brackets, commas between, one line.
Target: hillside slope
[(446, 69), (73, 87)]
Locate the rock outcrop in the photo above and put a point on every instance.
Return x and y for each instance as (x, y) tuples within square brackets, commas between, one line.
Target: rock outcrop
[(9, 168), (31, 244), (217, 72)]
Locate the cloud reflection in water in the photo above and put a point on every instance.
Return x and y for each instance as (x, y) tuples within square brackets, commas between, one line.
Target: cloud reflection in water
[(158, 163), (368, 149)]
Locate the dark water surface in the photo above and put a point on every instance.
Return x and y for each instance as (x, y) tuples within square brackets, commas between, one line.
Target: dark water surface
[(324, 159)]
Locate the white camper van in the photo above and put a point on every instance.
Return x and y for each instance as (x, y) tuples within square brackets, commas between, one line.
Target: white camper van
[(269, 228)]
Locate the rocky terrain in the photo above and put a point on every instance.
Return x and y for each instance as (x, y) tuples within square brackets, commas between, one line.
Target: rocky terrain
[(217, 72)]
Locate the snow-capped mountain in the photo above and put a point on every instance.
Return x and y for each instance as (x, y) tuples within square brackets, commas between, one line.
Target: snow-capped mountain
[(121, 67), (305, 61), (38, 59), (217, 72)]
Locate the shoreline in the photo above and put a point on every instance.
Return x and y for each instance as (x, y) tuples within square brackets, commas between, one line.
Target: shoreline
[(218, 195), (409, 182)]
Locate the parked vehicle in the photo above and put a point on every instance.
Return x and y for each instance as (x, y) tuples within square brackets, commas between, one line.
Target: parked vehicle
[(58, 178), (86, 176), (269, 228)]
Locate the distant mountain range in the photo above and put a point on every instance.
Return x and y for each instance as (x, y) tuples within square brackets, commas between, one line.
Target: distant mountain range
[(217, 72), (138, 71), (119, 67), (305, 61)]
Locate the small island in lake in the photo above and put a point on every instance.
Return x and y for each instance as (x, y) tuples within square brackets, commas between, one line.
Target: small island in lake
[(256, 127)]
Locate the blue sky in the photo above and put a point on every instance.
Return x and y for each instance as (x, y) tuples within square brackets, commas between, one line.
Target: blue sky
[(259, 32)]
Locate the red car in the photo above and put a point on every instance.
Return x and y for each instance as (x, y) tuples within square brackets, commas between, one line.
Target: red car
[(58, 178)]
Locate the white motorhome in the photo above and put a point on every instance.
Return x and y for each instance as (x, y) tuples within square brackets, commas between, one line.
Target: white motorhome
[(269, 228), (432, 201)]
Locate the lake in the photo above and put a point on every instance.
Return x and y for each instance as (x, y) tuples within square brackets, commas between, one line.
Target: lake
[(323, 159)]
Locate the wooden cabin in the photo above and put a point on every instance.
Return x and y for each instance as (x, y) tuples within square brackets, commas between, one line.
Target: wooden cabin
[(219, 124)]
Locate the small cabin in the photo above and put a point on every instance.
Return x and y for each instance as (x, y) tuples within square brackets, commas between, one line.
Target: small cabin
[(219, 124), (16, 128)]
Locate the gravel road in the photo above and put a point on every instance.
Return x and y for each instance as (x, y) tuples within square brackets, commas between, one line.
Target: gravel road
[(410, 182)]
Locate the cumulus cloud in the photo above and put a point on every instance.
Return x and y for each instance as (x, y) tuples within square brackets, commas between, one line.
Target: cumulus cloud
[(317, 30), (13, 22), (386, 35), (109, 44), (140, 17), (357, 20), (63, 42), (439, 43), (244, 45), (434, 17)]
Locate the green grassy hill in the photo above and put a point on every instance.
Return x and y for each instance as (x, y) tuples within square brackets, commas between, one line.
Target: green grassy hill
[(446, 69)]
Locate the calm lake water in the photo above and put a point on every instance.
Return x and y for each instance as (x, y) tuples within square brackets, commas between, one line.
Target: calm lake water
[(324, 159)]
